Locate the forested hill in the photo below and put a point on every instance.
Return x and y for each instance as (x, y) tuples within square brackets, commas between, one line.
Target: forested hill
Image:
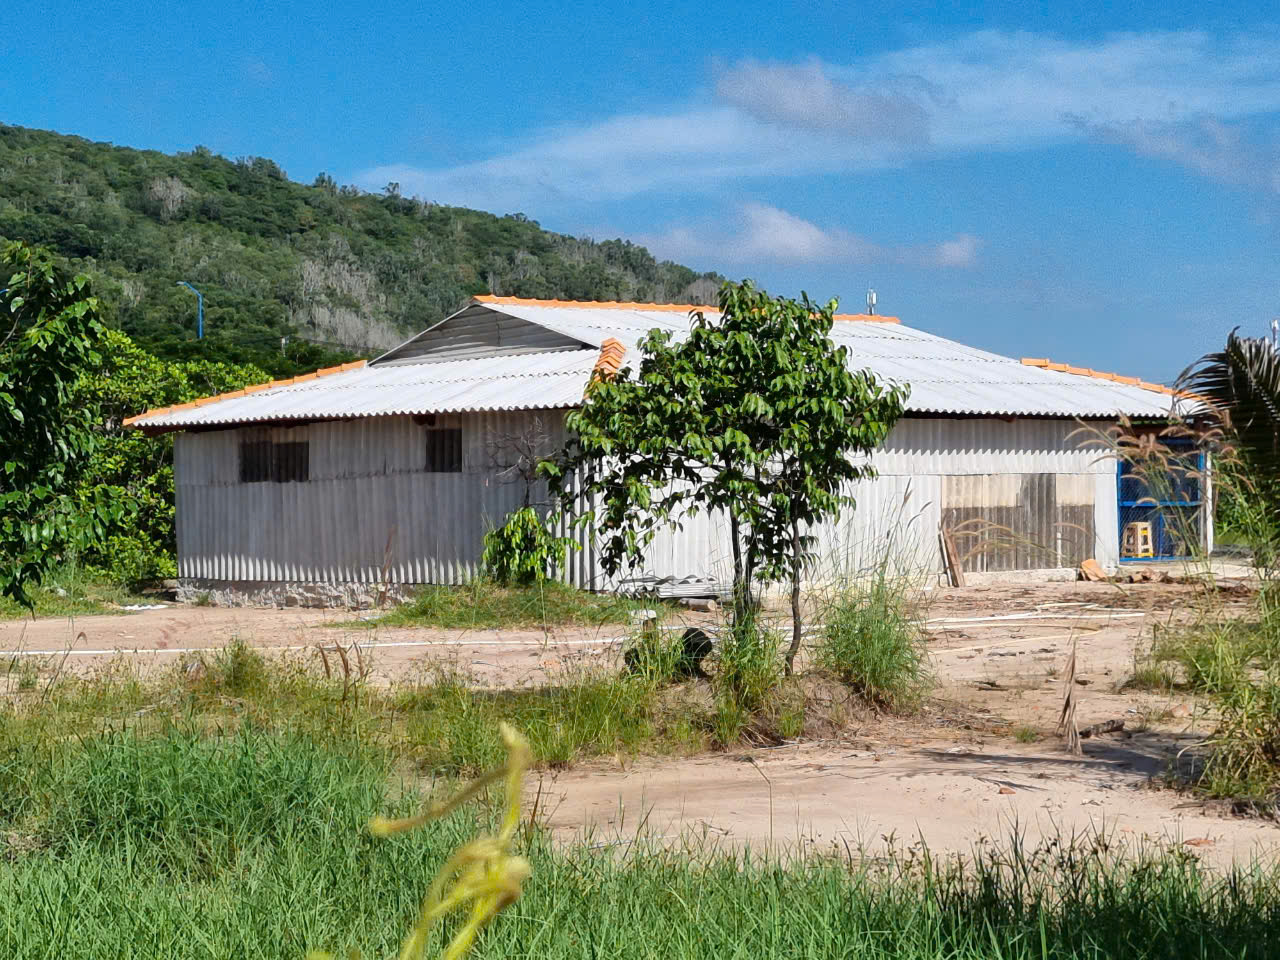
[(335, 270)]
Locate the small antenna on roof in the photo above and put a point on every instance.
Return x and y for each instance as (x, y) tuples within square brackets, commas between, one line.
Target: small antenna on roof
[(871, 302)]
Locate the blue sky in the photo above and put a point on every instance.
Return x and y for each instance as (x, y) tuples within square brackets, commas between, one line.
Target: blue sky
[(1098, 187)]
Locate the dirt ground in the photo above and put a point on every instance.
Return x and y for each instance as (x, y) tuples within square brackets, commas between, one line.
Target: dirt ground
[(954, 778)]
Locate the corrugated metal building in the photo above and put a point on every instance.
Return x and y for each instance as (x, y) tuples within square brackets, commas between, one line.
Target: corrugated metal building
[(391, 472)]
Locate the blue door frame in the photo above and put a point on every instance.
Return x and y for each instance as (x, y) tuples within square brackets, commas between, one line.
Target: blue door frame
[(1183, 508)]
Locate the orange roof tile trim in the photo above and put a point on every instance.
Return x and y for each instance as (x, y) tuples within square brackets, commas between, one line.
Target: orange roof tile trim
[(630, 305), (1045, 364), (255, 388), (609, 363), (865, 318), (594, 304)]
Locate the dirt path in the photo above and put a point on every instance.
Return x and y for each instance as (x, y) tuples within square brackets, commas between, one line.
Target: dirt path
[(155, 639), (954, 798)]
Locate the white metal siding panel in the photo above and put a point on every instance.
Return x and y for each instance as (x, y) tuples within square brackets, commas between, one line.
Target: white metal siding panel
[(977, 446), (1106, 518), (367, 482)]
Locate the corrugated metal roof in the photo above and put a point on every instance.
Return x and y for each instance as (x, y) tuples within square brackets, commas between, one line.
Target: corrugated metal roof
[(541, 381), (945, 376)]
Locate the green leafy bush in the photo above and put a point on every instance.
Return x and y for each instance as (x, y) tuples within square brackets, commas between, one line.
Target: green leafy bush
[(523, 550)]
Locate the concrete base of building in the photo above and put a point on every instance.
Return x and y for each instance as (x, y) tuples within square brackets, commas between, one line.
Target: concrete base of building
[(291, 593)]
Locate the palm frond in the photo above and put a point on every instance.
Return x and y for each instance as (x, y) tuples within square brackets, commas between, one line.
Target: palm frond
[(1243, 383)]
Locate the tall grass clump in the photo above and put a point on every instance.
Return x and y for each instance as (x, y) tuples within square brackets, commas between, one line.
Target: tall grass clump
[(452, 725), (749, 670), (873, 639)]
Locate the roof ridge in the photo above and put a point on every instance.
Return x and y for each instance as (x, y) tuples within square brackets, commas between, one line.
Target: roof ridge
[(244, 391), (864, 318), (637, 305), (1044, 363), (594, 304)]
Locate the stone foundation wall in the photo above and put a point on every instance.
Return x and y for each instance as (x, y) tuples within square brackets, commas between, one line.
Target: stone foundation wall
[(275, 593)]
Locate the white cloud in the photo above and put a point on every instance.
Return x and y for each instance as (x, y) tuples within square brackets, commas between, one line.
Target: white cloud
[(1204, 145), (808, 97), (760, 233), (984, 91), (962, 251)]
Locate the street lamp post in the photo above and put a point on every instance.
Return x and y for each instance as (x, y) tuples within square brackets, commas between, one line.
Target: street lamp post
[(199, 308)]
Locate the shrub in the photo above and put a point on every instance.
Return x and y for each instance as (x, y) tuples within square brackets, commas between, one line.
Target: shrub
[(873, 640), (523, 550)]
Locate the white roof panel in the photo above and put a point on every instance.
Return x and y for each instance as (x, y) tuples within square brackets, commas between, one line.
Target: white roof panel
[(541, 381), (945, 377)]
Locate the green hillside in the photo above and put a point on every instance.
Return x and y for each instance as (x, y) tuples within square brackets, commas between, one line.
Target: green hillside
[(336, 271)]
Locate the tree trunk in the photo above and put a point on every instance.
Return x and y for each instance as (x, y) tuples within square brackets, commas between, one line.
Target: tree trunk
[(739, 589), (796, 624)]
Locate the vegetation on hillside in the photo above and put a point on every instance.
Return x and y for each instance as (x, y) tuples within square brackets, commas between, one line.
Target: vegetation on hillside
[(293, 276)]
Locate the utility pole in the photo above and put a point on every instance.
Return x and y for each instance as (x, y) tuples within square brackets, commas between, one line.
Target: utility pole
[(199, 308)]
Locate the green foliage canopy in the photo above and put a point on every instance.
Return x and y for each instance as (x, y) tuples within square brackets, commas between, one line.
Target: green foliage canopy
[(50, 334), (139, 545), (756, 415), (1240, 387)]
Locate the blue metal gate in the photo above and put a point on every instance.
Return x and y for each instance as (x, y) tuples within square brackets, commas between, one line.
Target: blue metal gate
[(1174, 510)]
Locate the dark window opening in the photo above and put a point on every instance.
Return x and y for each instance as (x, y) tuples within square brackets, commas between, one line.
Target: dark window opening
[(262, 461), (255, 461), (444, 450), (291, 462)]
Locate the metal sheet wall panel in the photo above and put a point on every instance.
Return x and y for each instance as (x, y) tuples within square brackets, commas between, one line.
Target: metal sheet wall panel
[(944, 446), (367, 485)]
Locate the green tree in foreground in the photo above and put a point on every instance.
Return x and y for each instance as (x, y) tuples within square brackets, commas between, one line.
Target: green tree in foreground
[(756, 416), (50, 333)]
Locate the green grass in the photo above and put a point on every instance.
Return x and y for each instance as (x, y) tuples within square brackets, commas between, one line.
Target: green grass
[(451, 727), (481, 604), (68, 594), (442, 725), (1235, 663), (1025, 734), (190, 844)]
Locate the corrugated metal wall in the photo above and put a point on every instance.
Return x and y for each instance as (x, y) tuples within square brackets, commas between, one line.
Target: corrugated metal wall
[(367, 488)]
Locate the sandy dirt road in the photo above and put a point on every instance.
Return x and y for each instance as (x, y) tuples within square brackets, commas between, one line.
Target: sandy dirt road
[(954, 798)]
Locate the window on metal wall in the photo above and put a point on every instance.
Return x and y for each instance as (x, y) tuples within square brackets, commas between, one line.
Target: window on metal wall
[(262, 461), (444, 450)]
